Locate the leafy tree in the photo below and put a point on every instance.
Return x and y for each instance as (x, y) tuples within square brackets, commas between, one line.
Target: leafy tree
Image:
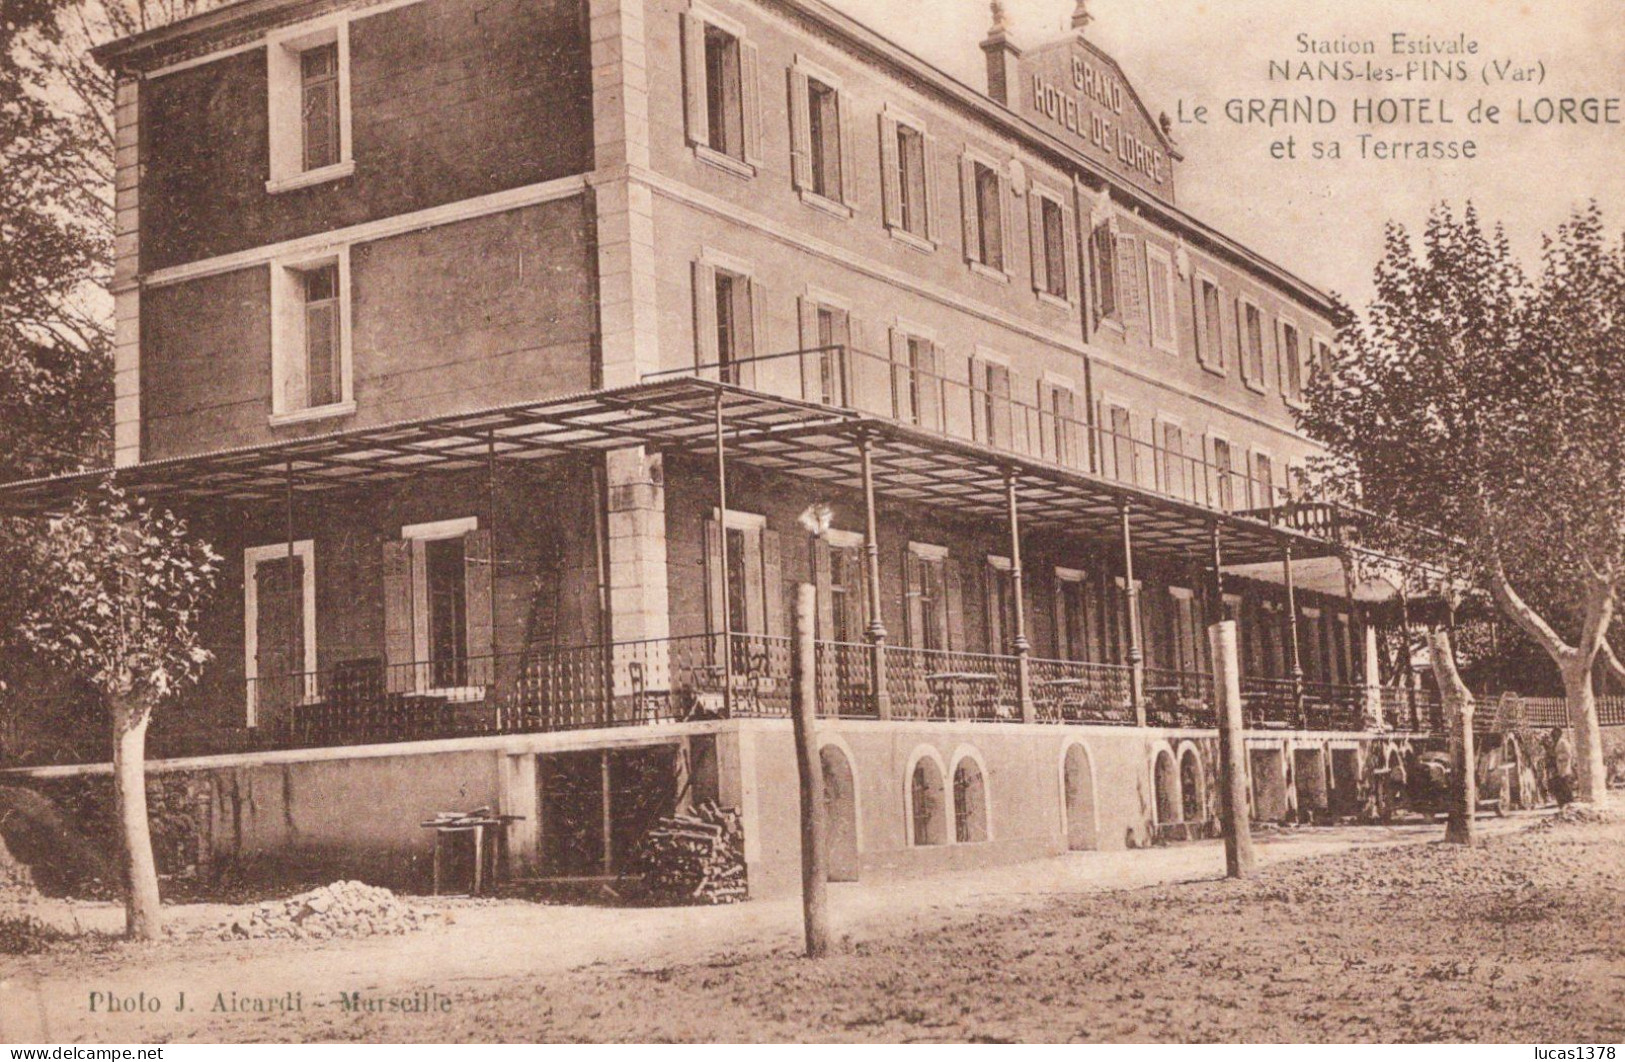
[(110, 593), (1481, 413)]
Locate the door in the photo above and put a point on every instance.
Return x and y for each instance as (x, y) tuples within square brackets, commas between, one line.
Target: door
[(279, 626), (841, 815)]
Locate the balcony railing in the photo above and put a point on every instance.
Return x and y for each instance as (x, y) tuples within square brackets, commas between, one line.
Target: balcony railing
[(1003, 409), (705, 677)]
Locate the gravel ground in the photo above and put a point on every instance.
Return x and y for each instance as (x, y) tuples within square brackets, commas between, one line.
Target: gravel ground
[(1519, 940)]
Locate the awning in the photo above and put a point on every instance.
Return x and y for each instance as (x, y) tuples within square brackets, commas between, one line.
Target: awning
[(679, 415)]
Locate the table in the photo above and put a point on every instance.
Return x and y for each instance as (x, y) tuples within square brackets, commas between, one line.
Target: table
[(450, 823), (945, 687)]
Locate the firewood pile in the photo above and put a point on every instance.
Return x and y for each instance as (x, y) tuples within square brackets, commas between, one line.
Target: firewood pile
[(697, 858)]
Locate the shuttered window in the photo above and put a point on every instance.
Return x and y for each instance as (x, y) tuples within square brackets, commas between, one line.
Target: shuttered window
[(1209, 324), (439, 619), (1103, 262), (1159, 276), (1291, 364), (1176, 477), (723, 100), (1250, 328), (989, 217)]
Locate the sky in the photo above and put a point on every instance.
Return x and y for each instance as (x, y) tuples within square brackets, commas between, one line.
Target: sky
[(1324, 219)]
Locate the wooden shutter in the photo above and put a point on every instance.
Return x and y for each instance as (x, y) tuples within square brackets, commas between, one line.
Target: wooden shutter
[(1130, 289), (773, 583), (695, 110), (901, 393), (1035, 240), (800, 131), (757, 343), (750, 91), (954, 592), (929, 152), (973, 225), (398, 641), (891, 185), (705, 314), (478, 572), (992, 613), (811, 379), (931, 411), (715, 586), (821, 568), (914, 610), (998, 385), (1069, 230), (846, 117)]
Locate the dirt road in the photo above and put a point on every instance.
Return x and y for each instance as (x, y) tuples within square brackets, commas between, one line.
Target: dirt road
[(1348, 934)]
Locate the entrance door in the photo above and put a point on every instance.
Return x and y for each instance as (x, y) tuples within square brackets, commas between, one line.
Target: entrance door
[(279, 629), (1080, 801), (841, 815)]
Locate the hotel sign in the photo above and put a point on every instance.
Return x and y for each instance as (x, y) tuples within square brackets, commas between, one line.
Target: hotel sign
[(1083, 99)]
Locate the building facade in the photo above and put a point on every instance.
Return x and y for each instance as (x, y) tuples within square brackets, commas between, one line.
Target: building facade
[(505, 349)]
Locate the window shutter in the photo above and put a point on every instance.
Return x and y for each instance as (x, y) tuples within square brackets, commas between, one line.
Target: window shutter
[(1069, 228), (1130, 291), (847, 116), (999, 388), (956, 605), (478, 572), (913, 578), (714, 586), (977, 393), (901, 393), (756, 343), (933, 228), (800, 131), (398, 651), (992, 615), (811, 380), (773, 582), (694, 98), (931, 411), (891, 186), (821, 580), (750, 76), (1035, 240), (967, 194), (1067, 413), (705, 314)]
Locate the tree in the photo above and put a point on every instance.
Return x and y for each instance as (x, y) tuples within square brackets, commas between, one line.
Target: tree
[(110, 592), (1480, 413)]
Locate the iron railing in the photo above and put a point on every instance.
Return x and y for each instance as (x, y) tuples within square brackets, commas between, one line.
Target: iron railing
[(1073, 691)]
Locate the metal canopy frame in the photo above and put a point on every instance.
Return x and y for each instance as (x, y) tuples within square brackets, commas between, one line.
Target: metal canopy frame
[(802, 439)]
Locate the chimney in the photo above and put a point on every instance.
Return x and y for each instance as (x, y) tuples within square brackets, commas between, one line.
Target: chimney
[(1081, 17), (1002, 54)]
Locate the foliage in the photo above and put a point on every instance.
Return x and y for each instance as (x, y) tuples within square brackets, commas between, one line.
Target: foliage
[(112, 594), (1481, 412)]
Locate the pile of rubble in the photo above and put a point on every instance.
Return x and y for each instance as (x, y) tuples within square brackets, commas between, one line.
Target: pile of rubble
[(1575, 813), (342, 909)]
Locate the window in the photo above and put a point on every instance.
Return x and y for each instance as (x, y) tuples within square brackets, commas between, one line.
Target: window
[(1120, 427), (927, 811), (1071, 615), (753, 584), (1176, 475), (1058, 422), (308, 112), (1291, 364), (439, 622), (1250, 324), (1103, 261), (826, 338), (990, 401), (1209, 324), (970, 802), (279, 629), (722, 103), (989, 218), (816, 144), (916, 387), (1224, 473), (999, 621), (928, 584), (726, 319), (1051, 228), (1263, 481), (846, 592), (310, 341), (1159, 271), (1322, 360)]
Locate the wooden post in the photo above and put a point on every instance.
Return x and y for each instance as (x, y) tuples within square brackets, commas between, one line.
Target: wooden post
[(1131, 599), (727, 590), (1238, 838), (803, 708), (1018, 641), (876, 629)]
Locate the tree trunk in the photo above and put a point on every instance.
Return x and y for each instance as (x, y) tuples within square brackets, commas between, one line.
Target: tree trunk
[(143, 918), (1462, 825), (1590, 770)]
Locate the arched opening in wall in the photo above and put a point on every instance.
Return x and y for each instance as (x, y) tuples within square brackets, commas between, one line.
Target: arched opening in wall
[(1191, 788), (927, 806), (1166, 780), (1078, 792), (840, 814), (970, 802)]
